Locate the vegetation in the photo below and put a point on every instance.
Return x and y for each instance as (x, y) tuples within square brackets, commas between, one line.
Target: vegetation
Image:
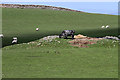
[(57, 59), (22, 23)]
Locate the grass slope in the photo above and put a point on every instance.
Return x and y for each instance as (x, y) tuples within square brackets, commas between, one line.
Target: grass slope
[(22, 23), (60, 60), (54, 59)]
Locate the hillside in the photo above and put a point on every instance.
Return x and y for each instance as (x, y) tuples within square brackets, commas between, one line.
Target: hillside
[(36, 6), (33, 58), (22, 23), (57, 59)]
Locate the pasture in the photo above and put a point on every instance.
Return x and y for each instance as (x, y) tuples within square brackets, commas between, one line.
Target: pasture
[(23, 22), (53, 59)]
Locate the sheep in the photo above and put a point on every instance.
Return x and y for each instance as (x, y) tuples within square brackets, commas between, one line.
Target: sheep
[(107, 26), (37, 29), (14, 41), (102, 26), (1, 36)]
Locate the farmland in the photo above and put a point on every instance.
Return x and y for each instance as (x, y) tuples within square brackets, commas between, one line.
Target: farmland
[(22, 23), (57, 60)]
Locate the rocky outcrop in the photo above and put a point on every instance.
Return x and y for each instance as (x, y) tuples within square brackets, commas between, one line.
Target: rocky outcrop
[(35, 6)]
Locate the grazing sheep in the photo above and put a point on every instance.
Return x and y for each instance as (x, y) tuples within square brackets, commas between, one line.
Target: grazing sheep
[(102, 26), (66, 33), (37, 29), (1, 36), (14, 41), (107, 26)]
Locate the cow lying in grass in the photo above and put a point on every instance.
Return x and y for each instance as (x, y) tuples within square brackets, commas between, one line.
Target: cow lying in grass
[(67, 33)]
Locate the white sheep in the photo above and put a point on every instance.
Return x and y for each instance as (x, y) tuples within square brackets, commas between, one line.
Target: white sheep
[(37, 29), (107, 26), (14, 41), (102, 26), (1, 36)]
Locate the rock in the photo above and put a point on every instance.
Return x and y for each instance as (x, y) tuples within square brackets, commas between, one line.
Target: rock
[(111, 37), (79, 36), (49, 38)]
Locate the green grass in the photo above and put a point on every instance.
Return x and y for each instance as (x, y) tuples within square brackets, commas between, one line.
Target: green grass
[(57, 60), (60, 60), (22, 23)]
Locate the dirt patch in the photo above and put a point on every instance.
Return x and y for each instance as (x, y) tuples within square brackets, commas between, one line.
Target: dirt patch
[(84, 41)]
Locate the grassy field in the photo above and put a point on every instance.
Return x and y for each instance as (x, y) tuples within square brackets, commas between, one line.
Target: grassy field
[(22, 23), (60, 60), (57, 60)]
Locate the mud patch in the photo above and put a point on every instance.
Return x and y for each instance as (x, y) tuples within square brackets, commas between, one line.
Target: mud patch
[(83, 42)]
